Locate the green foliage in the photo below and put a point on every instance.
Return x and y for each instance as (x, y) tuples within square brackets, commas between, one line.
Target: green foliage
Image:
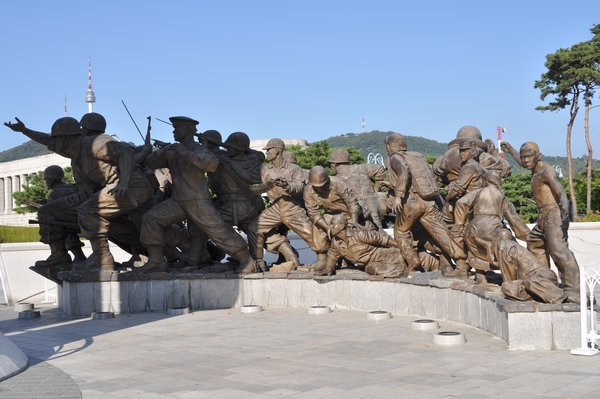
[(591, 216), (35, 193), (10, 234), (318, 154), (570, 72), (25, 150), (517, 188), (580, 184)]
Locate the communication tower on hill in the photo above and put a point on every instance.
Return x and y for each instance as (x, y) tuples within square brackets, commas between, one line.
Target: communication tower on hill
[(90, 98)]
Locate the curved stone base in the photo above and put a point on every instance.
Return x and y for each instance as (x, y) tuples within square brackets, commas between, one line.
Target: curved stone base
[(12, 359), (522, 325)]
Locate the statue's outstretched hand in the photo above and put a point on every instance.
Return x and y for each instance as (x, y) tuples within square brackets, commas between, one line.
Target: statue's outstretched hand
[(17, 126), (506, 147)]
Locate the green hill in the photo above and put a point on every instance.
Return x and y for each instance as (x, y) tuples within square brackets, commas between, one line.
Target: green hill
[(373, 142), (25, 150), (365, 142)]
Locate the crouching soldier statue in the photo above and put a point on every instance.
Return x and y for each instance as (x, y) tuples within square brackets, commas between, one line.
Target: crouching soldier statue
[(59, 227)]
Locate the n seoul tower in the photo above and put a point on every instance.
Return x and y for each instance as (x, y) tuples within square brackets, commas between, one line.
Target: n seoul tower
[(90, 98)]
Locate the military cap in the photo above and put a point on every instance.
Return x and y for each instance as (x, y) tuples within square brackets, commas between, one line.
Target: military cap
[(65, 126), (339, 155), (274, 143), (212, 136), (465, 144), (54, 172), (239, 141), (93, 121), (182, 120), (317, 176)]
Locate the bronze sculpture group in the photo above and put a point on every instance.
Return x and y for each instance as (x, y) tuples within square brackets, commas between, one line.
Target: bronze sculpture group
[(213, 189)]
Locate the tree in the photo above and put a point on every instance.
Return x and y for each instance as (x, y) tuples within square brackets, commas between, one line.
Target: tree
[(560, 81), (35, 194), (318, 154), (571, 72), (589, 75), (517, 188), (581, 189)]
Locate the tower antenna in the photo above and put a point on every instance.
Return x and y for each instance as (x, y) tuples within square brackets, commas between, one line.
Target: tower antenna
[(90, 98)]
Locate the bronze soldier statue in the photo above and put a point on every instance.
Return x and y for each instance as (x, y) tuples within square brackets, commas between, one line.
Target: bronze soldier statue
[(524, 277), (549, 237), (447, 166), (480, 214), (284, 184), (239, 168), (59, 226), (373, 249), (471, 175), (331, 195), (90, 173), (188, 161), (414, 200), (360, 179)]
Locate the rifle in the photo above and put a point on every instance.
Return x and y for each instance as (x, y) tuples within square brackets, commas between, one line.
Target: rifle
[(133, 120), (165, 122)]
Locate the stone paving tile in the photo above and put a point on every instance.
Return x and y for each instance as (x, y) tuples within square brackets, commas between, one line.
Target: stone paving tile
[(286, 353), (40, 380)]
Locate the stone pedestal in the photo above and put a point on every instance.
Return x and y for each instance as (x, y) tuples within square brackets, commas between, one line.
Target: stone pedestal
[(522, 325)]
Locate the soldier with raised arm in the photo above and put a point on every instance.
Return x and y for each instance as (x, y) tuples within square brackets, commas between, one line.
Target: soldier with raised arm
[(109, 185), (549, 237)]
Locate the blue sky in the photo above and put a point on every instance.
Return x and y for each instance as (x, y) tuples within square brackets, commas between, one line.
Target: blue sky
[(303, 69)]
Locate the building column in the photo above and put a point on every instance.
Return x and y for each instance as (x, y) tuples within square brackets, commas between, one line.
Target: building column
[(23, 180), (2, 202), (16, 186), (8, 201)]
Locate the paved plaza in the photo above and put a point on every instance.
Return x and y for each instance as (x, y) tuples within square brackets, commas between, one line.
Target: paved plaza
[(278, 353)]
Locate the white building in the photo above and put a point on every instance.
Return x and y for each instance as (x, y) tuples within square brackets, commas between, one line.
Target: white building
[(13, 178)]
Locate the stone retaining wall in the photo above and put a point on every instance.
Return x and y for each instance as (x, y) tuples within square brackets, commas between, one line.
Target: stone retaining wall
[(522, 325)]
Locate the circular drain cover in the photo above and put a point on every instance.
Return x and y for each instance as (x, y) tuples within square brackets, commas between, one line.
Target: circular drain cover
[(379, 315), (251, 309), (425, 325), (449, 338), (178, 311), (29, 314), (319, 310), (103, 315)]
